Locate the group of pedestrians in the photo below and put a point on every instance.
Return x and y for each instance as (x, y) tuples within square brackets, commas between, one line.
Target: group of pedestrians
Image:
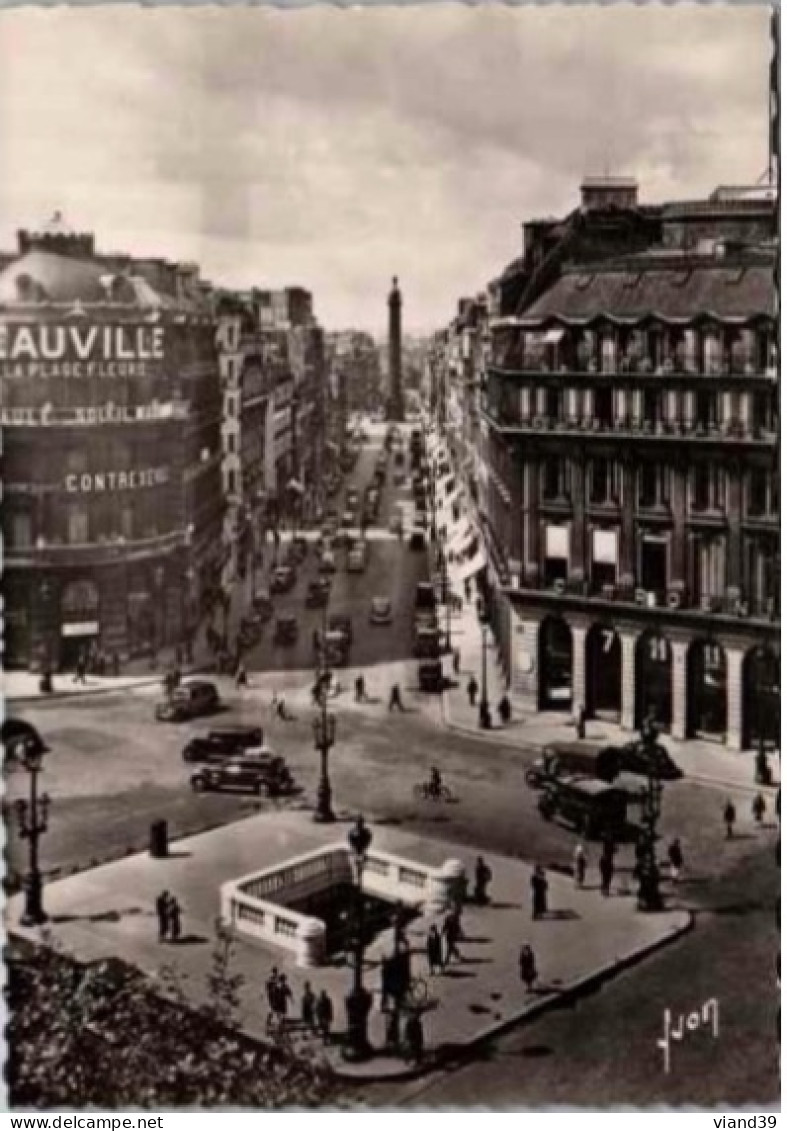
[(168, 913), (316, 1012), (759, 808), (503, 707)]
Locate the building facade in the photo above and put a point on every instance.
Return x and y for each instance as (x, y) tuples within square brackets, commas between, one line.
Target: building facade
[(629, 466), (111, 412)]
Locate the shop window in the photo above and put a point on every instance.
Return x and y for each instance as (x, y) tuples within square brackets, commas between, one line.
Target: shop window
[(21, 531), (78, 533)]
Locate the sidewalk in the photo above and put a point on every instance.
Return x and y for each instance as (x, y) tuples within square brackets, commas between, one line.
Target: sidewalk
[(109, 911), (701, 761)]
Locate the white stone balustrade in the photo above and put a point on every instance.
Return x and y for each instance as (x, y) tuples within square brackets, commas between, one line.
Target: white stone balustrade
[(255, 906)]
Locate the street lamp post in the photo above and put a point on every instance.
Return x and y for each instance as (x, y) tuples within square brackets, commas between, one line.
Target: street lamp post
[(359, 1000), (324, 727), (32, 816), (484, 714), (649, 897)]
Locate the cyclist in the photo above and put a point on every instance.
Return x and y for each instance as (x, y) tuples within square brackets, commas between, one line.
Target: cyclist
[(435, 783)]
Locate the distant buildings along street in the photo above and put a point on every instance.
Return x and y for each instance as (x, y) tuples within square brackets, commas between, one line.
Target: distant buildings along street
[(611, 403)]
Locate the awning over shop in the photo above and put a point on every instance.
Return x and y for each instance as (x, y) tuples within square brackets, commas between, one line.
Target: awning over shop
[(473, 566)]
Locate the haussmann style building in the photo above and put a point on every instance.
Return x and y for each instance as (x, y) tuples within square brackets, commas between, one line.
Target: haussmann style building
[(110, 406)]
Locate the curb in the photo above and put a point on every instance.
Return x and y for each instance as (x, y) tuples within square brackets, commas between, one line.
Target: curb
[(442, 1058), (121, 685), (537, 748)]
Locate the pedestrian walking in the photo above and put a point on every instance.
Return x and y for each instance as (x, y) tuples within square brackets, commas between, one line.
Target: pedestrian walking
[(414, 1038), (606, 869), (457, 660), (527, 967), (539, 886), (284, 996), (272, 991), (162, 914), (115, 664), (504, 710), (452, 931), (395, 699), (758, 808), (580, 866), (174, 917), (729, 818), (324, 1015), (468, 590), (80, 669), (581, 719), (281, 710), (472, 690), (434, 950), (675, 857), (483, 878), (360, 690), (308, 1005), (241, 679)]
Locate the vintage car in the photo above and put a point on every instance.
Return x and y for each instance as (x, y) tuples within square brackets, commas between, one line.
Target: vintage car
[(283, 579), (222, 743), (193, 698), (343, 624), (318, 593), (257, 773), (286, 630), (357, 558), (380, 611), (596, 810)]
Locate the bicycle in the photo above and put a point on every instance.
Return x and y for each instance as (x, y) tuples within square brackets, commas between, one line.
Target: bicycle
[(426, 791)]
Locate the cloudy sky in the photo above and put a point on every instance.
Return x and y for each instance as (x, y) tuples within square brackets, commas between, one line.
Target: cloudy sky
[(335, 148)]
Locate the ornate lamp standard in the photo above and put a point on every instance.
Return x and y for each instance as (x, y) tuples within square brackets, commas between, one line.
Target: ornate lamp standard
[(324, 727), (32, 816), (358, 1002), (649, 896)]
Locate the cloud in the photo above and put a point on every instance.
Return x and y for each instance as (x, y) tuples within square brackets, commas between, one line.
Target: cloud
[(335, 148)]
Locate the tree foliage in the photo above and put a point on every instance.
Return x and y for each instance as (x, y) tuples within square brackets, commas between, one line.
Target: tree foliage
[(101, 1035)]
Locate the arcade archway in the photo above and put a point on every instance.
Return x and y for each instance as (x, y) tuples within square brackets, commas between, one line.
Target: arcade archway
[(653, 679), (554, 665), (761, 699), (603, 658), (707, 689)]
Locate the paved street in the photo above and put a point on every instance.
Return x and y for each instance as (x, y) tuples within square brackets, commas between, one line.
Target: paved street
[(392, 571), (113, 770)]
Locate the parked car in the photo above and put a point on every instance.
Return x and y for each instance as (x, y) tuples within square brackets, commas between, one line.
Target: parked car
[(637, 759), (262, 606), (327, 562), (593, 808), (217, 745), (193, 698), (343, 624), (286, 631), (567, 759), (282, 579), (357, 558), (250, 630), (381, 611), (430, 676), (270, 776), (427, 643), (318, 593)]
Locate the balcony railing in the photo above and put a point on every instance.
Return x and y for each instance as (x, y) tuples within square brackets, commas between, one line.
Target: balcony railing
[(673, 601), (628, 427), (106, 550)]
